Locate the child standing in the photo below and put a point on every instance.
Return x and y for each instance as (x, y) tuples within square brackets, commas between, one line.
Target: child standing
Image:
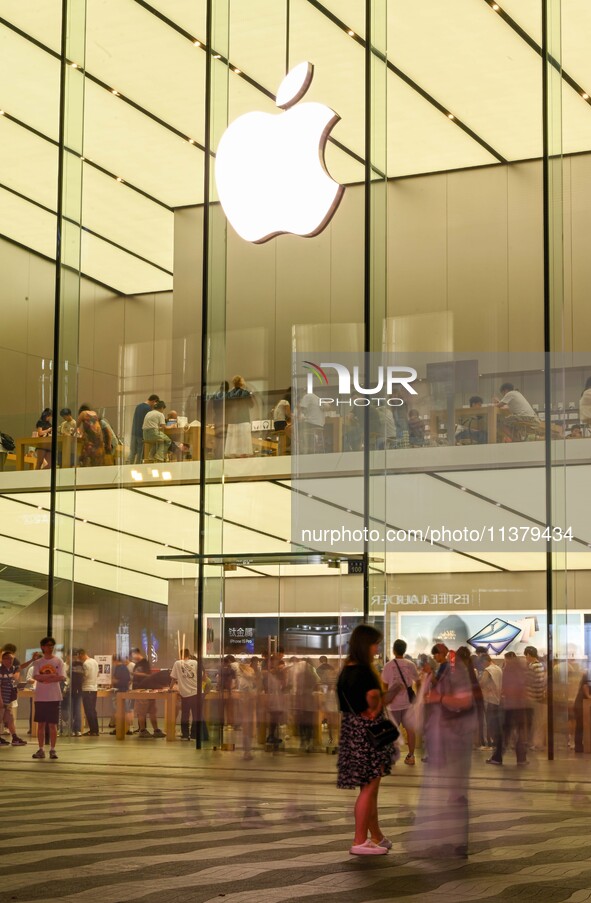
[(48, 671), (9, 677)]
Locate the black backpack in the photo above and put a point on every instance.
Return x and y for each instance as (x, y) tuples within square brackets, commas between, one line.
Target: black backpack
[(7, 442)]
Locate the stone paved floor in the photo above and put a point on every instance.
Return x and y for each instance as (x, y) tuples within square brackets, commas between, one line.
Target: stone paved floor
[(154, 822)]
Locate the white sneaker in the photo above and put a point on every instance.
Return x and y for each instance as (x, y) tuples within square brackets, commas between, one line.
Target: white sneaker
[(369, 848)]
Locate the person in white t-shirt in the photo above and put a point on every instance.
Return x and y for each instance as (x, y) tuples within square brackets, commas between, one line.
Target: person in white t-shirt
[(89, 692), (491, 682), (47, 672), (154, 435), (183, 678), (400, 674), (518, 407)]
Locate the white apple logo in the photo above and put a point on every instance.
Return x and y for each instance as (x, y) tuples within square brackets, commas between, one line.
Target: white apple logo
[(270, 172)]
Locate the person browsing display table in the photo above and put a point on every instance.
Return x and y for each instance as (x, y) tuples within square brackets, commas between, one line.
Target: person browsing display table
[(43, 430)]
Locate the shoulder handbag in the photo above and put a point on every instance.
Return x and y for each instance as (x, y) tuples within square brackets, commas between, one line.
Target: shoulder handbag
[(380, 733), (411, 693), (7, 442)]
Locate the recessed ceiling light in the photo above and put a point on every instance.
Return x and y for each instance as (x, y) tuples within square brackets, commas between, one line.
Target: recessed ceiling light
[(119, 179), (155, 473), (463, 488), (197, 43), (498, 504), (217, 56), (450, 116), (82, 159), (166, 475), (585, 96), (1, 112), (115, 92), (74, 65), (191, 141), (351, 33), (495, 6), (237, 71)]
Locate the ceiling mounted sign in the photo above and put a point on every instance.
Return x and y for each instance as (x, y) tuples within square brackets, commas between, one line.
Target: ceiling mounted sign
[(270, 172)]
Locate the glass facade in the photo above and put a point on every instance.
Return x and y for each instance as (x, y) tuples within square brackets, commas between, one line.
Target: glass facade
[(458, 251)]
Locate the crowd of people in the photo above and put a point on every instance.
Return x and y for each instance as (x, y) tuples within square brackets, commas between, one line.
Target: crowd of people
[(156, 437), (455, 701), (458, 701), (98, 439)]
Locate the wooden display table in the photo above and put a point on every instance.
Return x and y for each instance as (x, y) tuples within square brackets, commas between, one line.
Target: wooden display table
[(66, 444), (470, 420), (29, 693), (169, 698)]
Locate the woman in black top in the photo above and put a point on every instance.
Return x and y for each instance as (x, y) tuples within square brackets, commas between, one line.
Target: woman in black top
[(359, 764), (43, 427)]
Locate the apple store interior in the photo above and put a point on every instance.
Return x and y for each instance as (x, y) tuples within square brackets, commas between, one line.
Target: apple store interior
[(407, 191)]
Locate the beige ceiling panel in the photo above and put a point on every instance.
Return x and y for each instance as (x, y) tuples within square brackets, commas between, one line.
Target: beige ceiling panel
[(527, 14), (422, 140), (18, 554), (338, 70), (140, 56), (28, 163), (245, 98), (29, 225), (189, 14), (257, 40), (139, 515), (42, 19), (131, 552), (245, 506), (535, 561), (433, 563), (350, 12), (127, 217), (30, 83), (576, 38), (118, 580), (576, 122), (119, 270), (130, 145), (466, 57)]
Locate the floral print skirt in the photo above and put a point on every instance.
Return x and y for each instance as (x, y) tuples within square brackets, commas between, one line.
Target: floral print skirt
[(359, 762)]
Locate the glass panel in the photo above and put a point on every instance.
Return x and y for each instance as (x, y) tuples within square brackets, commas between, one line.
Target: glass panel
[(458, 249)]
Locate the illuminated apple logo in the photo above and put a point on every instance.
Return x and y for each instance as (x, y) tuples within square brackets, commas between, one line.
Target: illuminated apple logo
[(270, 172)]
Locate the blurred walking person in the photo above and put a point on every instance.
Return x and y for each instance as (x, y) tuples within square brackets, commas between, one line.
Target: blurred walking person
[(444, 805), (400, 674), (514, 700)]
